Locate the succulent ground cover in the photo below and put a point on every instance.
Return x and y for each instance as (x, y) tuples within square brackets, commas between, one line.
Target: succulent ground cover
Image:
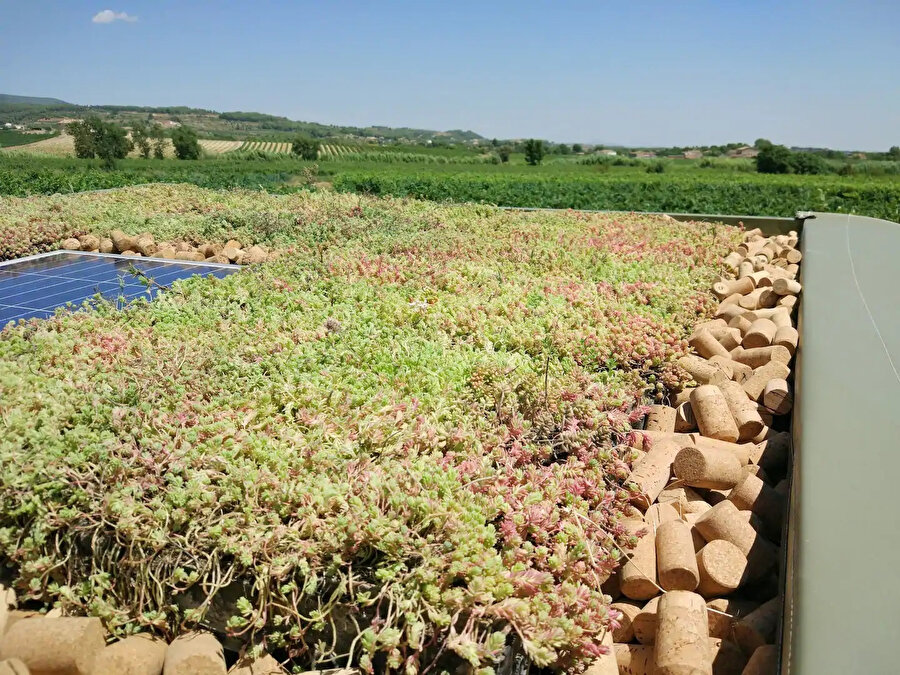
[(405, 439)]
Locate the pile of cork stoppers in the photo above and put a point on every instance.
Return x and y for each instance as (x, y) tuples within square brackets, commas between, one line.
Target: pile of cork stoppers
[(702, 591)]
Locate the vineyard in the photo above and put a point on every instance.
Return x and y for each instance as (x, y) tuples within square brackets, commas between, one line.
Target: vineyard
[(417, 418), (457, 179), (265, 146), (219, 147), (735, 193)]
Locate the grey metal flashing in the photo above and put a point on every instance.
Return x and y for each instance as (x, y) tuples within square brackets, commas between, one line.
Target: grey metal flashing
[(842, 599)]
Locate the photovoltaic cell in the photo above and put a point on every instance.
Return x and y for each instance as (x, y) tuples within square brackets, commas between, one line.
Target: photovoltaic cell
[(34, 287)]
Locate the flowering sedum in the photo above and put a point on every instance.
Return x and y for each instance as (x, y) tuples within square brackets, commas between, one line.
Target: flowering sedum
[(401, 441)]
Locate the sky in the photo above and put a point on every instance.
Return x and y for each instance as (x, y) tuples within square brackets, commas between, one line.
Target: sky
[(822, 74)]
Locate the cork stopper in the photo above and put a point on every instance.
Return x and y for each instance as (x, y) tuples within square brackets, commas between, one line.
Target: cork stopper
[(740, 450), (634, 659), (13, 667), (723, 289), (787, 337), (628, 610), (760, 356), (706, 345), (722, 568), (644, 624), (723, 521), (660, 513), (707, 468), (727, 657), (137, 655), (773, 451), (637, 576), (702, 371), (195, 653), (755, 385), (743, 410), (786, 287), (729, 338), (675, 559), (753, 495), (684, 418), (723, 612), (713, 416), (760, 334), (758, 628), (764, 661), (652, 473), (684, 500), (777, 396), (661, 418), (54, 645), (682, 635)]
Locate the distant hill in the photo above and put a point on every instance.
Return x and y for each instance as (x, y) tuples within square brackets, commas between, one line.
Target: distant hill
[(31, 100), (235, 125)]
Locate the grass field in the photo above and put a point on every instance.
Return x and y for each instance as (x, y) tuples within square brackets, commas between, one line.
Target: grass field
[(406, 438), (11, 138)]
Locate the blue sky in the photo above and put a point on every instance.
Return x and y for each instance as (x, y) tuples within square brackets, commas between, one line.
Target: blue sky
[(674, 73)]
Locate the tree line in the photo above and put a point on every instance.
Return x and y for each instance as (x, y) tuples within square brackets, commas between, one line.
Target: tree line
[(109, 142)]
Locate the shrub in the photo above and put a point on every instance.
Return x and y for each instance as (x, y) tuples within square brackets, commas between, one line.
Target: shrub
[(140, 136), (305, 148), (534, 151), (184, 139), (774, 159), (808, 163)]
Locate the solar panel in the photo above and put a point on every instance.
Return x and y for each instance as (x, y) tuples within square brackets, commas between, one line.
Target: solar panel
[(35, 286)]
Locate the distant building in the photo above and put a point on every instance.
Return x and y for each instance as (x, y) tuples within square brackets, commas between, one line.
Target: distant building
[(743, 152), (692, 154), (643, 154), (606, 152)]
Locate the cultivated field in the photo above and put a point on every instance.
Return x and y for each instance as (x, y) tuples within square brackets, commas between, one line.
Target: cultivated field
[(266, 146), (64, 146), (219, 147), (405, 442), (684, 186)]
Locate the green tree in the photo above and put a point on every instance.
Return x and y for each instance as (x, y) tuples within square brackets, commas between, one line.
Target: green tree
[(159, 141), (577, 147), (774, 159), (96, 138), (504, 151), (305, 147), (185, 141), (808, 163), (140, 136), (83, 138), (762, 143), (534, 151), (894, 152)]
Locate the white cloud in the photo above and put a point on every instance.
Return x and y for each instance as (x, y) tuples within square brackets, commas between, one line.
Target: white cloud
[(108, 16)]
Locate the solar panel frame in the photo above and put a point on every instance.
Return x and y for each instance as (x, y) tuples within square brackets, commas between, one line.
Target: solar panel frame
[(66, 281)]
